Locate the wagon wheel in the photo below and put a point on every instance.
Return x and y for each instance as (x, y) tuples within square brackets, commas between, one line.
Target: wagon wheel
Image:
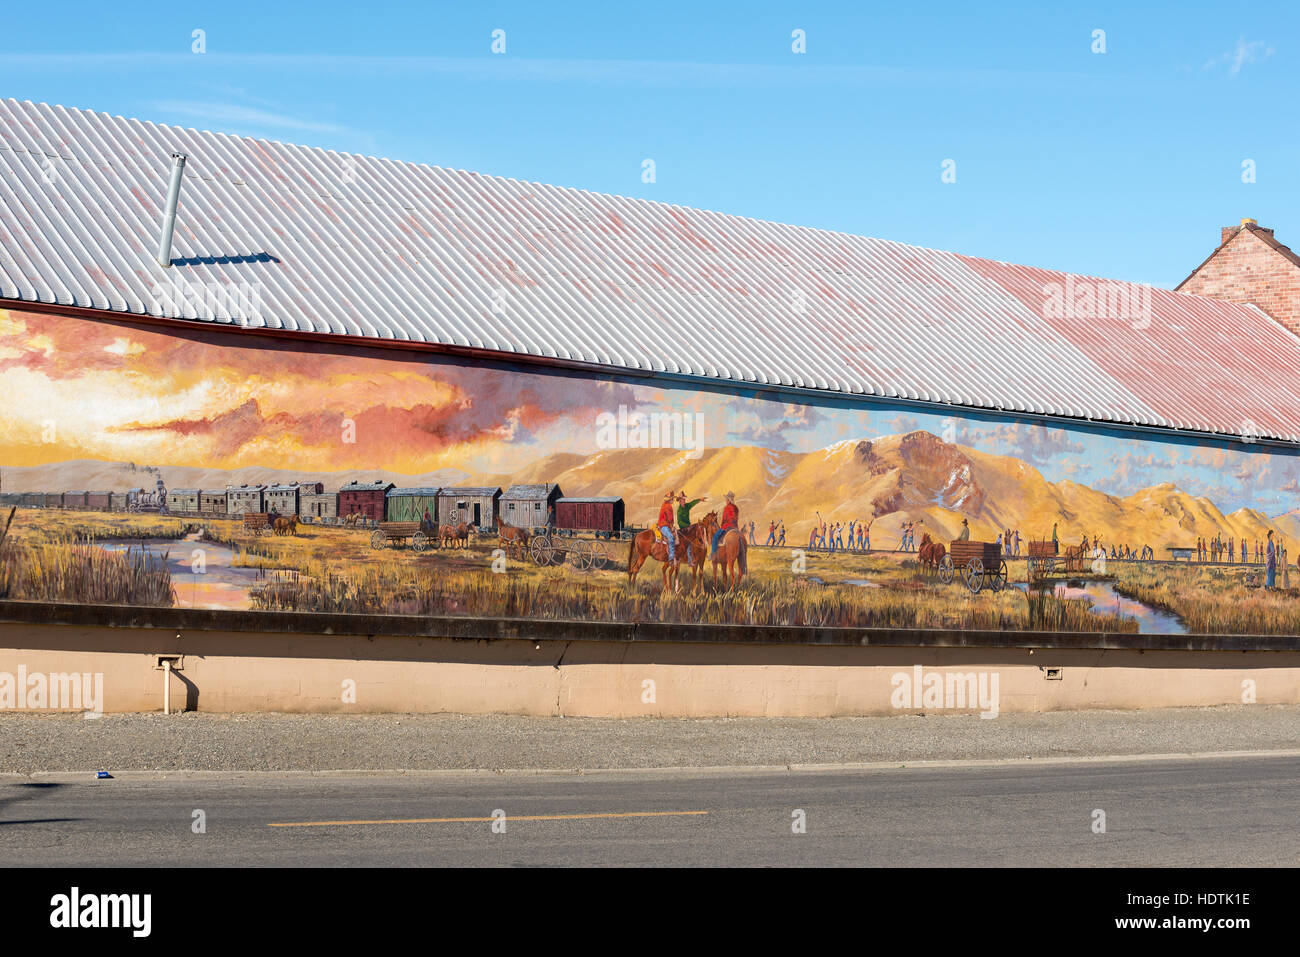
[(539, 547), (419, 541), (945, 570), (378, 539), (583, 555), (603, 555), (998, 576), (973, 575)]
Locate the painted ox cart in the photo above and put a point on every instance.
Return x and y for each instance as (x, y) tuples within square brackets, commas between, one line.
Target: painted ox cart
[(394, 533), (980, 564)]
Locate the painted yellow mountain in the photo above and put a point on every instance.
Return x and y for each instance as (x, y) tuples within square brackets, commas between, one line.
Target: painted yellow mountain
[(914, 477)]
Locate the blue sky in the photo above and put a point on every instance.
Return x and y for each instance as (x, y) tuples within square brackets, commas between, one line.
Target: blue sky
[(1121, 164)]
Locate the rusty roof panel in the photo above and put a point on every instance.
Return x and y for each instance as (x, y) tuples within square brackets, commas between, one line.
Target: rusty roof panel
[(351, 245)]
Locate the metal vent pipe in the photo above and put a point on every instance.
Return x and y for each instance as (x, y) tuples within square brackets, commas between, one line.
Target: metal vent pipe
[(169, 212)]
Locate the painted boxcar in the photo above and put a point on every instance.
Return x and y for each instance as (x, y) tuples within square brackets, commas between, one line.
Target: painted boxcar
[(100, 501), (117, 501), (282, 499), (319, 506), (244, 498), (183, 500), (475, 504), (75, 499), (366, 499), (212, 501), (530, 506), (603, 515), (411, 504)]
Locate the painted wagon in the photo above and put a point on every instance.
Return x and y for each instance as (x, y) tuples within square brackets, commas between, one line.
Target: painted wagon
[(259, 523), (980, 564), (1043, 559), (1046, 558), (588, 534), (394, 533)]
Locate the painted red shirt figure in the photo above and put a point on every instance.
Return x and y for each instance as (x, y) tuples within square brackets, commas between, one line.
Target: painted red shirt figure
[(665, 514), (730, 514)]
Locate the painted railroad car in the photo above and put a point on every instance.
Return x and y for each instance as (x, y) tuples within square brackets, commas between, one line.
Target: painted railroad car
[(212, 501), (32, 500), (183, 500), (529, 506), (411, 504), (99, 501), (74, 499), (474, 504), (286, 499), (602, 515), (117, 501), (244, 498), (318, 506), (364, 498)]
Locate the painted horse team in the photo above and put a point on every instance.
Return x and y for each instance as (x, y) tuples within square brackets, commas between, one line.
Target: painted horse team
[(675, 539)]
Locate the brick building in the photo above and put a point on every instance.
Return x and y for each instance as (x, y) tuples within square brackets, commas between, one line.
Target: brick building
[(1250, 265)]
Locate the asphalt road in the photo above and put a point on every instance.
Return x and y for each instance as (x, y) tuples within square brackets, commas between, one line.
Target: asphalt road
[(1232, 811)]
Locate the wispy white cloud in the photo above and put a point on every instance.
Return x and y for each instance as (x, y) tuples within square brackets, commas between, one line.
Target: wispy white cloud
[(644, 73), (243, 115), (1244, 52)]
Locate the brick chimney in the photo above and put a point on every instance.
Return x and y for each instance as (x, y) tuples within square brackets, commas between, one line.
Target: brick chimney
[(1250, 265)]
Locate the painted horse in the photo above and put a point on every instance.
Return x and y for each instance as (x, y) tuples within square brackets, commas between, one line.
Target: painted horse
[(512, 538), (931, 553), (645, 545), (732, 553)]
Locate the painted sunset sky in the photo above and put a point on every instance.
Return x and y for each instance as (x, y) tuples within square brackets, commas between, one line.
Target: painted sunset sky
[(116, 393)]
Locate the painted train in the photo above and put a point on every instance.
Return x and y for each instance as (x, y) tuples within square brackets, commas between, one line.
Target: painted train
[(528, 506)]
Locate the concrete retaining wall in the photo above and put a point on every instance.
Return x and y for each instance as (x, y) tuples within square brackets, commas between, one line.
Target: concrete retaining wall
[(232, 671)]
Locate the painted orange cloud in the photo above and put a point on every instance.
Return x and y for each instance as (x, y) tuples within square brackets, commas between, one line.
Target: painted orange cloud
[(110, 391)]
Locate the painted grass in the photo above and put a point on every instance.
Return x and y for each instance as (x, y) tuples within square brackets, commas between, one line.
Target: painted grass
[(84, 573), (335, 570), (1214, 600)]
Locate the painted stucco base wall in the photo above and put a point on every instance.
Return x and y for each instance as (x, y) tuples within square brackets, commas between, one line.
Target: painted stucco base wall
[(242, 672)]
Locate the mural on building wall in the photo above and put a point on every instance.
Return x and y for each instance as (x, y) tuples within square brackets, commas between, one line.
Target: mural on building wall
[(211, 470)]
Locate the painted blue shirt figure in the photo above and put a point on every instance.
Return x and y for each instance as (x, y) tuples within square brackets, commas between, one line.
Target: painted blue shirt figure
[(1270, 563)]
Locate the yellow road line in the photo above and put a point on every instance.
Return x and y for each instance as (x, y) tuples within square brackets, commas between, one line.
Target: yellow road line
[(485, 820)]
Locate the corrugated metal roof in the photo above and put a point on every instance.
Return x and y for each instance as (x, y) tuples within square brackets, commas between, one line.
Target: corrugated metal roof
[(471, 490), (366, 487), (360, 246)]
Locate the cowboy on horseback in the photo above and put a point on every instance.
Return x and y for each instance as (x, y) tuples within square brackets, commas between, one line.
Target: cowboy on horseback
[(730, 516), (665, 525), (684, 515)]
